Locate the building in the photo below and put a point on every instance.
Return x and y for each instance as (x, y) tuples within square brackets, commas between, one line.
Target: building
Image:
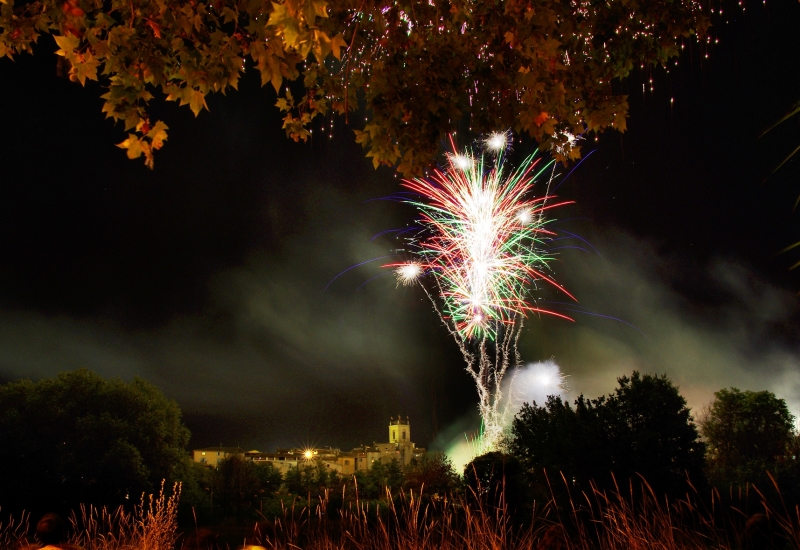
[(282, 460), (399, 448), (285, 459), (347, 463), (211, 456)]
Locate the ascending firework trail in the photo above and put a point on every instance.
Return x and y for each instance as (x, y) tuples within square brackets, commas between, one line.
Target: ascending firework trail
[(479, 255)]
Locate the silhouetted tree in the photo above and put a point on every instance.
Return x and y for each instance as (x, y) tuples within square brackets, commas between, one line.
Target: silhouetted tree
[(311, 478), (383, 475), (80, 438), (293, 479), (499, 480), (198, 483), (749, 434), (643, 428), (432, 473), (240, 484)]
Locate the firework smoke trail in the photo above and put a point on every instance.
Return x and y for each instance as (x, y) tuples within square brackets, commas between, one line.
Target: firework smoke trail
[(482, 242)]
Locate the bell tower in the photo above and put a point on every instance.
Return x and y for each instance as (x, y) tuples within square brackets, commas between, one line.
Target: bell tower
[(399, 430)]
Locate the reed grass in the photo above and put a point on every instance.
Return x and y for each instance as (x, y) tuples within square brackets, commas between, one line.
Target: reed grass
[(592, 520), (151, 525)]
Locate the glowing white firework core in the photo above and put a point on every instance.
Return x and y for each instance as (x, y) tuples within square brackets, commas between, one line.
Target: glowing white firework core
[(408, 273), (462, 162), (525, 217), (496, 141)]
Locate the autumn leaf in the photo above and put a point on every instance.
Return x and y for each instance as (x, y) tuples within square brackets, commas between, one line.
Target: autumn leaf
[(336, 46), (155, 28), (158, 135), (282, 19), (421, 63), (132, 145), (197, 101), (319, 7), (322, 46), (275, 67), (83, 67), (67, 44)]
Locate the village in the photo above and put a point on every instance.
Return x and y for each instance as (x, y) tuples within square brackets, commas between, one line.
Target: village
[(399, 448)]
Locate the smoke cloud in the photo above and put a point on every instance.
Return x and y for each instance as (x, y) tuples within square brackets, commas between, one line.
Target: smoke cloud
[(274, 358), (533, 383), (707, 325)]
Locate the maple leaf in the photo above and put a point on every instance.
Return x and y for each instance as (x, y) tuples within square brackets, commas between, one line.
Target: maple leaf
[(190, 48), (275, 67), (84, 67), (282, 19), (132, 145), (197, 101), (322, 46), (319, 7), (337, 44), (155, 28), (158, 134), (67, 44)]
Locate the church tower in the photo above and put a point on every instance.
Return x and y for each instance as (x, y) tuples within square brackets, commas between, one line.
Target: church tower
[(399, 430)]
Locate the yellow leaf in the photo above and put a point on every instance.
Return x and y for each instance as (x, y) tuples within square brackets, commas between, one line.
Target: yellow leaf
[(68, 44), (337, 44), (289, 26), (197, 101), (320, 8), (158, 134), (275, 67), (322, 45), (278, 16), (83, 67), (133, 146)]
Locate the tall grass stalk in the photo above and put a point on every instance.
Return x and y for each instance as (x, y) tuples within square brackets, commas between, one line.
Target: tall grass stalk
[(590, 520), (151, 525), (593, 521), (13, 532)]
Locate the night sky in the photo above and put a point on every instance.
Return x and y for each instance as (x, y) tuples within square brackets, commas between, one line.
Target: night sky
[(207, 276)]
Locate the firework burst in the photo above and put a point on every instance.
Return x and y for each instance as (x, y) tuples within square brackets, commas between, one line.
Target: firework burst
[(482, 241)]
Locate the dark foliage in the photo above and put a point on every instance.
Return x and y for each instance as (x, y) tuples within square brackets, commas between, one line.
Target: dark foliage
[(239, 485), (748, 435), (432, 474), (643, 429), (498, 480), (80, 438), (312, 478)]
